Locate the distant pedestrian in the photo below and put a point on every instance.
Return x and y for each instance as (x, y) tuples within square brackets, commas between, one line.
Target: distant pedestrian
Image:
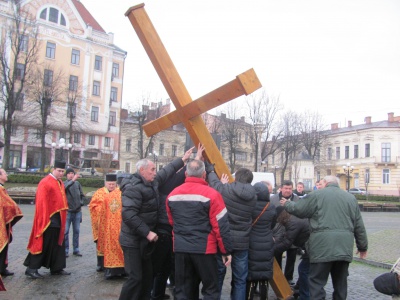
[(75, 197), (46, 243), (299, 191), (335, 221), (10, 214)]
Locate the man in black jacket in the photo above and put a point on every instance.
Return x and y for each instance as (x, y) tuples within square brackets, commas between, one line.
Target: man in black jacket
[(139, 219), (240, 199)]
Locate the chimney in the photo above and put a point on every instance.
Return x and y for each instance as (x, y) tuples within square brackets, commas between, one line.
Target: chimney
[(223, 116), (124, 114), (367, 120), (334, 126), (242, 119), (348, 123), (390, 117)]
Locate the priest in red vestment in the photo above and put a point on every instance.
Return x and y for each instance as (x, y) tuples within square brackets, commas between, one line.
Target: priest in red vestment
[(46, 243)]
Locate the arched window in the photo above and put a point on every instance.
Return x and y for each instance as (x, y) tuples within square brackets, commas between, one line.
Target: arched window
[(53, 15)]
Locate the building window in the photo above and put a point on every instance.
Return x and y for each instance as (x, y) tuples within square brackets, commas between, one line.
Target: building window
[(128, 145), (51, 50), (337, 152), (96, 88), (54, 16), (73, 83), (367, 150), (98, 62), (71, 110), (329, 153), (19, 101), (161, 149), (174, 150), (94, 116), (318, 175), (107, 142), (20, 71), (24, 42), (115, 70), (75, 57), (38, 134), (14, 130), (77, 138), (385, 176), (386, 152), (346, 152), (48, 77), (355, 151), (112, 119), (114, 94), (241, 156), (366, 176), (92, 139)]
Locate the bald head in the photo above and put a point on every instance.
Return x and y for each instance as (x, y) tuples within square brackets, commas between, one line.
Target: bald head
[(3, 176)]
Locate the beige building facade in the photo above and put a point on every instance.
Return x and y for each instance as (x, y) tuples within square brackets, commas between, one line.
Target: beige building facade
[(73, 43)]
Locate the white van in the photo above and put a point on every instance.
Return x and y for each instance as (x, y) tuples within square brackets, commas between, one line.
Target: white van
[(263, 176)]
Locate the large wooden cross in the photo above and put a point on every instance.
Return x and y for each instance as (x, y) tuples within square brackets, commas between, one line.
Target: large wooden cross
[(189, 112)]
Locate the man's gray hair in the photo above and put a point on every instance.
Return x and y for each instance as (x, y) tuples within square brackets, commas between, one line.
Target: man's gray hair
[(331, 179), (143, 163), (195, 168)]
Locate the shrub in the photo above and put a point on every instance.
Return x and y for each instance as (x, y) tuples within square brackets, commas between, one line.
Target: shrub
[(34, 179)]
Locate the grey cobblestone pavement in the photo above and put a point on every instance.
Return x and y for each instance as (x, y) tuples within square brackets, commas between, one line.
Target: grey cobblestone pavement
[(85, 283)]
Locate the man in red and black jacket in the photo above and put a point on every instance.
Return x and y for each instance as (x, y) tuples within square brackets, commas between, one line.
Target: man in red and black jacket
[(200, 224)]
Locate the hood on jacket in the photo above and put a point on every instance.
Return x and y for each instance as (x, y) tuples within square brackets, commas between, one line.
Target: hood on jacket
[(262, 191), (244, 190)]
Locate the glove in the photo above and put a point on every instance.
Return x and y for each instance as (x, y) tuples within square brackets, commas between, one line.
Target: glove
[(209, 167)]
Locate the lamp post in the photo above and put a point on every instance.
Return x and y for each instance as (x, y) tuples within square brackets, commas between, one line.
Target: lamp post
[(348, 170), (61, 144), (155, 158), (275, 168)]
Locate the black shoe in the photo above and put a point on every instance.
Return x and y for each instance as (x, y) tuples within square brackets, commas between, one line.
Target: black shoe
[(33, 275), (166, 296), (6, 273), (77, 254), (62, 272), (99, 269)]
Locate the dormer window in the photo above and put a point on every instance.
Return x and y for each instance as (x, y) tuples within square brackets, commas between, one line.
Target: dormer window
[(53, 15)]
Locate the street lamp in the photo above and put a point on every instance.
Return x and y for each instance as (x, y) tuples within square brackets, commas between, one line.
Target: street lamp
[(275, 168), (155, 158), (348, 170), (61, 145)]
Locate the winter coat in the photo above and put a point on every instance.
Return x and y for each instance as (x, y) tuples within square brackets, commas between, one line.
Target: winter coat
[(261, 248), (335, 221), (240, 200), (199, 219), (75, 195), (140, 205)]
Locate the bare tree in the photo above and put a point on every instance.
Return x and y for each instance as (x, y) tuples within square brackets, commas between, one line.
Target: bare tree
[(18, 56), (290, 142), (48, 85), (312, 133), (263, 112)]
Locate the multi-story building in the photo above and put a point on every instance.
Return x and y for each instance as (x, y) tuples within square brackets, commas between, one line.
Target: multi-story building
[(73, 43), (173, 142)]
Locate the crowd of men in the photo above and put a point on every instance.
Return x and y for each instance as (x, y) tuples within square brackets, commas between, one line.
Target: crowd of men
[(187, 222)]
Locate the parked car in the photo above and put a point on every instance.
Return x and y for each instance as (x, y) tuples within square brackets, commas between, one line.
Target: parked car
[(358, 191), (33, 170), (87, 172), (118, 172)]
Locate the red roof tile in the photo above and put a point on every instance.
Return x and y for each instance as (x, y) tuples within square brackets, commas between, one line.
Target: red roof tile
[(86, 16)]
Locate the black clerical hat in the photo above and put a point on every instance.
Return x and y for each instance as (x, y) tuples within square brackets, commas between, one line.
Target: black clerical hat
[(111, 177), (59, 164)]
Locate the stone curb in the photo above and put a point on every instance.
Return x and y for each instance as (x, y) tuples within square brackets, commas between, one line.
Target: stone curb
[(373, 263)]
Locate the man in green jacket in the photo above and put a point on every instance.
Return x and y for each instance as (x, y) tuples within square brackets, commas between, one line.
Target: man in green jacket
[(335, 221)]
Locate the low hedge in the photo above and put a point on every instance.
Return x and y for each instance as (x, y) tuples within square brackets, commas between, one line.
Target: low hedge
[(378, 198), (34, 179)]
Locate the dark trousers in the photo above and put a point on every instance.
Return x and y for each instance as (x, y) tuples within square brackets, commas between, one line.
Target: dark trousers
[(189, 268), (304, 271), (3, 259), (319, 273), (140, 275), (162, 265), (290, 263)]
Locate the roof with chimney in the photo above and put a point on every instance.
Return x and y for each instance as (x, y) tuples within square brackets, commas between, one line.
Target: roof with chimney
[(391, 122)]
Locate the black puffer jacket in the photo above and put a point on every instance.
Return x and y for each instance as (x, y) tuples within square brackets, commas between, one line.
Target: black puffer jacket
[(297, 233), (140, 205), (240, 200), (261, 248)]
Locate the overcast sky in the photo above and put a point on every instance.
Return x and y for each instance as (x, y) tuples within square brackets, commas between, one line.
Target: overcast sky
[(338, 57)]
